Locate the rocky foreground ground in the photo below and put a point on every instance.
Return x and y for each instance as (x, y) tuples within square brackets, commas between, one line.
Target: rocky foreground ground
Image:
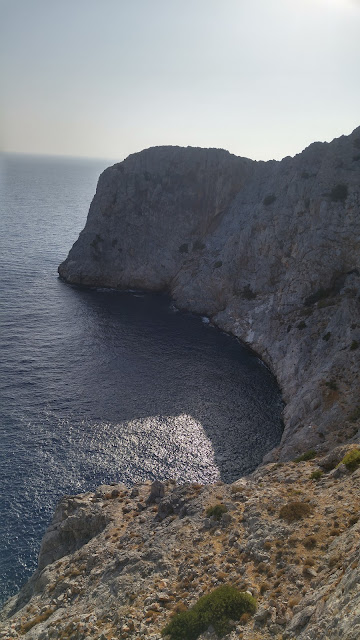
[(117, 563)]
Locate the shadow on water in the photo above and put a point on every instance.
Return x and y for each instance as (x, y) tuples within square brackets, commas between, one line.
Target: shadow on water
[(156, 366), (101, 386)]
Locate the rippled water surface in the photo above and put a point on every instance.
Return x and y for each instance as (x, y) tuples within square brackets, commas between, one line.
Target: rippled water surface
[(99, 386)]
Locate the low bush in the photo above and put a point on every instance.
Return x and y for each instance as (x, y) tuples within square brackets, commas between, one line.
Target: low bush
[(248, 293), (331, 384), (327, 336), (352, 460), (310, 542), (216, 511), (216, 609), (355, 415), (294, 511), (339, 193), (269, 199), (316, 475), (198, 245), (354, 345), (308, 455)]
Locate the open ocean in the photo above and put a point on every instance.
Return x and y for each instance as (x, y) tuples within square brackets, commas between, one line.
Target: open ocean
[(99, 386)]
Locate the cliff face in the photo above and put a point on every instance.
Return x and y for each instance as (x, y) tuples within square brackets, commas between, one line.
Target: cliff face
[(270, 251)]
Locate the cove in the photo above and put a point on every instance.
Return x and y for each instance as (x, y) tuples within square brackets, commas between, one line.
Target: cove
[(134, 390)]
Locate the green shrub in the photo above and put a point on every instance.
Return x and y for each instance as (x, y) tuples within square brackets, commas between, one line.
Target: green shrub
[(216, 608), (294, 511), (320, 294), (248, 293), (339, 193), (302, 325), (352, 460), (354, 345), (355, 415), (308, 455), (327, 336), (184, 248), (216, 511), (316, 475), (218, 264), (331, 384), (269, 199)]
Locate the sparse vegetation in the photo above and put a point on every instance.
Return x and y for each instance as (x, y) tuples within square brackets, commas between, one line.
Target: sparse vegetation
[(339, 193), (293, 511), (198, 245), (308, 455), (216, 511), (331, 384), (216, 608), (269, 199), (320, 294), (248, 293), (302, 325), (316, 475), (355, 415), (36, 620), (310, 542), (354, 345), (327, 336), (218, 264), (184, 248), (352, 460)]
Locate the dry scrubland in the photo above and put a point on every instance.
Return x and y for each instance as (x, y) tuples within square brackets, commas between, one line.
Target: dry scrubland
[(289, 534)]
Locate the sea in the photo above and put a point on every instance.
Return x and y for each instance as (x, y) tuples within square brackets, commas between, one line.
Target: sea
[(100, 386)]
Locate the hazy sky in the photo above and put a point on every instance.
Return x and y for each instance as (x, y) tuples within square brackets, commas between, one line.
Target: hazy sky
[(105, 78)]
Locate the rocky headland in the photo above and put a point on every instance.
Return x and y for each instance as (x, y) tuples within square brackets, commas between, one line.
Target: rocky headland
[(270, 252)]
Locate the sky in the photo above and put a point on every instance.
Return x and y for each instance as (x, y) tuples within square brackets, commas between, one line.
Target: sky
[(106, 78)]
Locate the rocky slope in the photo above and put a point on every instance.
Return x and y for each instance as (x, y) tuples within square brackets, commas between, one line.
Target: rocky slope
[(117, 563), (270, 251)]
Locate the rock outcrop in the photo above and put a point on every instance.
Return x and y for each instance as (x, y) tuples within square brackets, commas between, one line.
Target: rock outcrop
[(269, 251), (161, 550)]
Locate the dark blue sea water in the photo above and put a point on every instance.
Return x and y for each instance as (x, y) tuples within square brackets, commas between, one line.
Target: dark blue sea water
[(99, 386)]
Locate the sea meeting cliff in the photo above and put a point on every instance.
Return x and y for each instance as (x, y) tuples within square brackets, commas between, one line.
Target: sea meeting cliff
[(270, 252)]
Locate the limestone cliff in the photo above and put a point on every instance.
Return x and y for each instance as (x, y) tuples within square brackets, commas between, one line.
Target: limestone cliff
[(270, 251)]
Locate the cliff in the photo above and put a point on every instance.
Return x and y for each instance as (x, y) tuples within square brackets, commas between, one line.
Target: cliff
[(269, 251)]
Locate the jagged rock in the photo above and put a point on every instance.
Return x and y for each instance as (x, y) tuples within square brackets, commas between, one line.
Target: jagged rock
[(157, 492), (75, 522)]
